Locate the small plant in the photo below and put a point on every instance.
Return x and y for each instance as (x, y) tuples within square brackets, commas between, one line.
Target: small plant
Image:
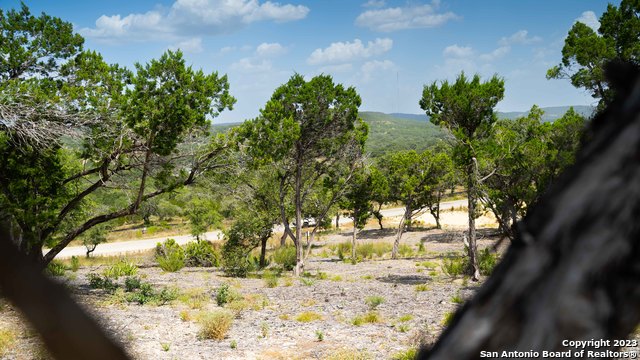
[(215, 325), (367, 277), (55, 268), (319, 335), (264, 330), (405, 318), (408, 354), (336, 278), (457, 299), (101, 282), (447, 318), (487, 261), (226, 294), (374, 301), (170, 256), (131, 283), (165, 346), (371, 317), (120, 268), (7, 339), (405, 251), (308, 316), (194, 298), (233, 344), (201, 253), (185, 315), (322, 275), (306, 281), (270, 279), (288, 281), (284, 317), (429, 264), (455, 265), (286, 257), (75, 263), (422, 287), (308, 302)]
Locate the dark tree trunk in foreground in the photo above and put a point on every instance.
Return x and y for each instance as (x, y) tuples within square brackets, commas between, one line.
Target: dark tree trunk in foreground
[(573, 270)]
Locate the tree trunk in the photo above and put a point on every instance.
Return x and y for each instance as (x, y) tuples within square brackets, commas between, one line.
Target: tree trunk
[(474, 269), (353, 238), (572, 270), (435, 212), (379, 217), (338, 220), (299, 269), (263, 251), (403, 221), (283, 238)]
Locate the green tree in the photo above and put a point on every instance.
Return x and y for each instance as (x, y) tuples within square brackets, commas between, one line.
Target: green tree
[(311, 134), (357, 202), (202, 214), (586, 52), (465, 108), (379, 192), (126, 129)]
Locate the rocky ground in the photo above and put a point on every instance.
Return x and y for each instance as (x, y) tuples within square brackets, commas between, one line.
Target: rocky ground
[(416, 298)]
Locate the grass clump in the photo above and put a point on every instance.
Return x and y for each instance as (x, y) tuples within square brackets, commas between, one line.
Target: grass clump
[(270, 279), (101, 282), (349, 354), (194, 298), (457, 299), (408, 354), (226, 294), (319, 335), (201, 253), (215, 324), (447, 318), (487, 260), (374, 301), (75, 263), (308, 316), (307, 281), (120, 268), (405, 251), (371, 317), (170, 256), (56, 268), (422, 287), (7, 339), (405, 318), (454, 265), (285, 256)]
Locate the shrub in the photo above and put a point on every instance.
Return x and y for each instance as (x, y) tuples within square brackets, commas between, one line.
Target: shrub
[(170, 256), (226, 294), (215, 325), (75, 263), (308, 316), (487, 261), (374, 301), (101, 282), (454, 265), (234, 261), (286, 257), (55, 268), (120, 268), (270, 279), (131, 283), (201, 254)]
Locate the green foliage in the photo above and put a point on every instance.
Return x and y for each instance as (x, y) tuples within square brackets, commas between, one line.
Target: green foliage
[(233, 344), (75, 263), (226, 294), (374, 301), (201, 253), (120, 268), (422, 287), (101, 282), (319, 335), (202, 214), (586, 52), (487, 260), (285, 256), (371, 317), (131, 283), (448, 317), (235, 262), (170, 256), (409, 354), (454, 265), (215, 324), (270, 278), (55, 268), (145, 294)]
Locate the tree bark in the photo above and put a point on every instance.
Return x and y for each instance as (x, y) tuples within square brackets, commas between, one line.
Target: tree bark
[(572, 270), (353, 237), (474, 269), (403, 221), (263, 252)]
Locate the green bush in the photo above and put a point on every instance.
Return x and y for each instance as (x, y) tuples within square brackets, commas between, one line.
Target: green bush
[(55, 268), (286, 257), (455, 265), (120, 268), (101, 282), (132, 283), (75, 263), (201, 254), (170, 256), (145, 294), (226, 294), (405, 251), (487, 261), (235, 261)]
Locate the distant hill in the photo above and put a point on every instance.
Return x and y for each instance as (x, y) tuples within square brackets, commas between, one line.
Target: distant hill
[(551, 113), (394, 132)]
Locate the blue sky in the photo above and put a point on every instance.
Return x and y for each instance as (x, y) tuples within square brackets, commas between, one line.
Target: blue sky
[(386, 49)]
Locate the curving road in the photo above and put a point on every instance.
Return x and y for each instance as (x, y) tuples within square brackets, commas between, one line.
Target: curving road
[(126, 247)]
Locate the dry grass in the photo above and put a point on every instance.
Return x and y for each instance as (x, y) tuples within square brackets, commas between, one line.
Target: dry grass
[(308, 316), (7, 340), (215, 324)]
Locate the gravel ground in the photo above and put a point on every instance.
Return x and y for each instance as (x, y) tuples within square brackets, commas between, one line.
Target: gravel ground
[(268, 328)]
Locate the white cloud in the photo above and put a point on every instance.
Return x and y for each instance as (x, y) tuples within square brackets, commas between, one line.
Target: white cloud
[(401, 18), (189, 46), (342, 52), (495, 54), (188, 17), (520, 37), (374, 4), (371, 68), (590, 19), (270, 49), (335, 69), (248, 65), (457, 51)]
